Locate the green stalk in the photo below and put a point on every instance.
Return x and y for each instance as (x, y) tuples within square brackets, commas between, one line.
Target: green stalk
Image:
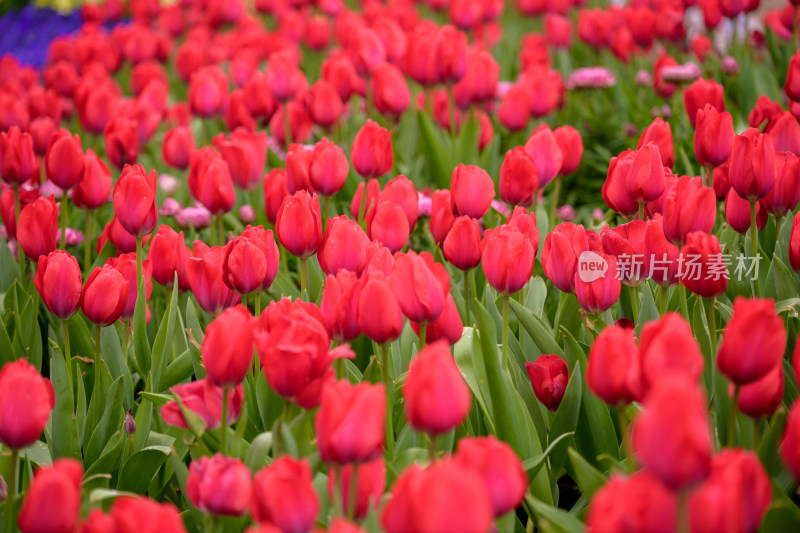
[(386, 361), (634, 295), (20, 253), (304, 278), (754, 240), (505, 329), (684, 303), (87, 244), (258, 303), (641, 212), (732, 416), (554, 202), (710, 177), (338, 489), (626, 438), (467, 300), (362, 210), (220, 231), (664, 292), (712, 327), (423, 335), (683, 512), (223, 449), (138, 266), (67, 356), (778, 222), (12, 491), (432, 447), (97, 358), (352, 493)]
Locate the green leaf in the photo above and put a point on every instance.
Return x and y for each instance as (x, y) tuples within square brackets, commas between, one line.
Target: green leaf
[(162, 346), (64, 426), (111, 422), (117, 366), (436, 153), (141, 467), (534, 464), (141, 345), (553, 520), (537, 330), (109, 458), (587, 477), (565, 420), (768, 447), (469, 358), (179, 370), (782, 516), (258, 455)]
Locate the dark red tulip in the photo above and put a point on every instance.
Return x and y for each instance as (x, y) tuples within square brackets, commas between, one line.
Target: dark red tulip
[(203, 399), (64, 160), (518, 178), (26, 399), (507, 259), (227, 348), (359, 408), (210, 181), (135, 200), (500, 469), (372, 153), (328, 169), (753, 342), (219, 485), (432, 376), (58, 280), (672, 437), (94, 187), (121, 141), (284, 496), (713, 136), (379, 315), (17, 158), (700, 93), (204, 272), (208, 92), (549, 377), (37, 230), (53, 500), (168, 253), (752, 169)]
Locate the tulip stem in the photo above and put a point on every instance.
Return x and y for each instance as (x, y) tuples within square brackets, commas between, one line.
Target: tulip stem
[(258, 303), (626, 438), (664, 292), (352, 495), (683, 511), (554, 203), (12, 491), (138, 266), (756, 433), (64, 216), (710, 177), (97, 356), (641, 212), (754, 241), (467, 300), (505, 329), (220, 231), (634, 296), (67, 356), (87, 244), (732, 417), (304, 293), (386, 361), (362, 214), (712, 327), (778, 221), (684, 303), (223, 449), (423, 334), (20, 253), (432, 447)]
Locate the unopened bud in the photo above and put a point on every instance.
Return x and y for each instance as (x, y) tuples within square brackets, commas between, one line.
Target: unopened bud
[(130, 424)]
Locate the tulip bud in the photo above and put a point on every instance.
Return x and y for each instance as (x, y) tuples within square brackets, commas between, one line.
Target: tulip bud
[(58, 279), (204, 272), (549, 377), (371, 153), (648, 505), (38, 228), (546, 154), (299, 226), (699, 94), (130, 424), (752, 170), (53, 500), (703, 271), (370, 484), (64, 160), (462, 246), (135, 200), (614, 373), (343, 405), (433, 375), (500, 469), (17, 158), (713, 137), (26, 399), (660, 134), (251, 261), (671, 437), (284, 496), (518, 178), (328, 169), (219, 485), (379, 315), (227, 348), (507, 259), (387, 223), (667, 348), (94, 188)]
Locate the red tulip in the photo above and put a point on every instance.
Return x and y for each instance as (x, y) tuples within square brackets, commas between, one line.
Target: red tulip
[(688, 207), (275, 190), (626, 243), (324, 103), (447, 327), (64, 159), (514, 111), (58, 279), (785, 194), (479, 84), (208, 92), (614, 373), (37, 229), (379, 315), (338, 69), (135, 200), (371, 153), (17, 159), (762, 398), (615, 191), (246, 155), (121, 141), (373, 187), (444, 497), (753, 342), (648, 505), (177, 147), (462, 246), (660, 134), (472, 191), (660, 255), (204, 272), (26, 399), (571, 144), (53, 500), (737, 213), (713, 137), (645, 179), (442, 216), (436, 397), (549, 377), (417, 289), (668, 349), (328, 169), (518, 178), (671, 437), (370, 483), (735, 497), (794, 244), (546, 153), (390, 90), (350, 422), (790, 444), (500, 469), (125, 264), (703, 271), (387, 223), (401, 191), (131, 514), (94, 188), (562, 248), (700, 93), (792, 85), (449, 54), (339, 306), (251, 261), (752, 169), (204, 400), (227, 348), (507, 259), (42, 130), (299, 226), (169, 254), (343, 246), (283, 495), (219, 485)]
